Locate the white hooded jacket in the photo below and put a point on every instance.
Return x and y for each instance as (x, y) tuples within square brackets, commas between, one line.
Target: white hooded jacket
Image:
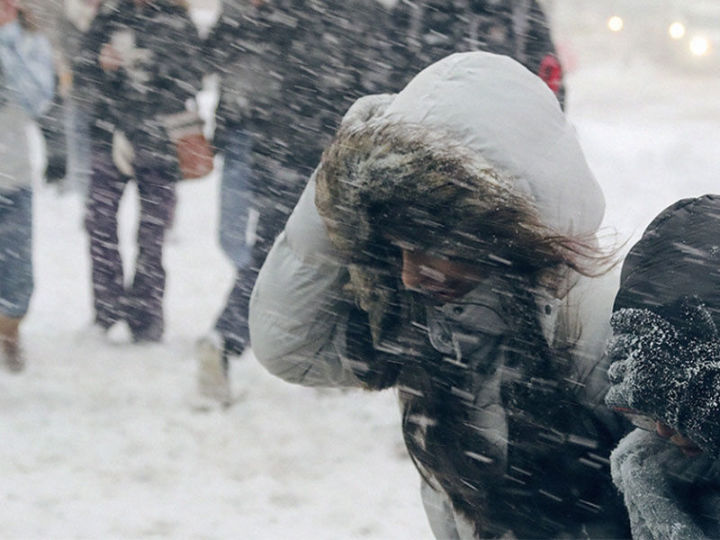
[(498, 113)]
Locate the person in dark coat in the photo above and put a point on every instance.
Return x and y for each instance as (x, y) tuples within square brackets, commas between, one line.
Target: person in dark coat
[(65, 124), (137, 64), (665, 373), (48, 15), (289, 70), (422, 32)]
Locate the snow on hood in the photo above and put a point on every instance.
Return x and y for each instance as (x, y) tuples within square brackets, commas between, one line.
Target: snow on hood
[(493, 105)]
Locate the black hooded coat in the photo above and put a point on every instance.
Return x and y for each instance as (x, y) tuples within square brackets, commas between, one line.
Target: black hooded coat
[(666, 368)]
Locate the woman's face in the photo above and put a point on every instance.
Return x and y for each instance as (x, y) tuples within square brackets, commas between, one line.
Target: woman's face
[(442, 279)]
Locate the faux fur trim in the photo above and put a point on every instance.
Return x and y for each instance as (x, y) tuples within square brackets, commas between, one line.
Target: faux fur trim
[(384, 179)]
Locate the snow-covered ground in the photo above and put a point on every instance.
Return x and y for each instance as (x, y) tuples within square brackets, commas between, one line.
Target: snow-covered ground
[(104, 441)]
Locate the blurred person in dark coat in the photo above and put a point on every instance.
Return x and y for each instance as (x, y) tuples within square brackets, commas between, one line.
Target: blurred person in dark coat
[(425, 31), (289, 69), (137, 65), (64, 124)]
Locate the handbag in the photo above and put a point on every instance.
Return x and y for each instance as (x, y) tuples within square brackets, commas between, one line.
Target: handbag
[(194, 153)]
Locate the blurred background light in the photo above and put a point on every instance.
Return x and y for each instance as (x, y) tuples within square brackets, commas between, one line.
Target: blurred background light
[(677, 30), (615, 23), (699, 45)]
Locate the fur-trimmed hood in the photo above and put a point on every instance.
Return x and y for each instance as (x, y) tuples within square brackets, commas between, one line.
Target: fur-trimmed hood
[(474, 160), (475, 120)]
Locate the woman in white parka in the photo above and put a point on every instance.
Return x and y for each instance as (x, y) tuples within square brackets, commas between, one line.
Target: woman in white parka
[(442, 247)]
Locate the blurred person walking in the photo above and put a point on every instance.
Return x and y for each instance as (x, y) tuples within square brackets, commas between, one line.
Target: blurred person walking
[(76, 94), (139, 68), (26, 90), (289, 69), (49, 16)]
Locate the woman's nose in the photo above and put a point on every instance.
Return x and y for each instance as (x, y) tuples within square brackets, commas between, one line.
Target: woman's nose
[(411, 275)]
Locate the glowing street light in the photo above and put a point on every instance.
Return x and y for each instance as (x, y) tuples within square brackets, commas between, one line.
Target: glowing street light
[(615, 23), (699, 45), (677, 30)]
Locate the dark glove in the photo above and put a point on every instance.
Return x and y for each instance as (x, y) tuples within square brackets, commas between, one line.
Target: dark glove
[(668, 373), (56, 170), (644, 365)]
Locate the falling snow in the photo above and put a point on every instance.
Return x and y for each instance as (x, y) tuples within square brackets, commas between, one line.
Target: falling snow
[(108, 440)]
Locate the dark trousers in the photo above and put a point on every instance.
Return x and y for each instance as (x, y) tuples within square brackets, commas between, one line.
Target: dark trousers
[(16, 261), (140, 303), (275, 190)]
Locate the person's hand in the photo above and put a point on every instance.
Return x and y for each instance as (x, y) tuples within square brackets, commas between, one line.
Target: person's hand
[(110, 59), (668, 374), (8, 11), (688, 447), (645, 364)]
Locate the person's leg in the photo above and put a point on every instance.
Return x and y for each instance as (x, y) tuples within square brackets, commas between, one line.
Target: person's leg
[(83, 147), (258, 195), (232, 323), (156, 187), (236, 234), (16, 271), (236, 231), (104, 195), (229, 337)]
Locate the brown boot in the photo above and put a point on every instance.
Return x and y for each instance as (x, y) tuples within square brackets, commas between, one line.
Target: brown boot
[(10, 343)]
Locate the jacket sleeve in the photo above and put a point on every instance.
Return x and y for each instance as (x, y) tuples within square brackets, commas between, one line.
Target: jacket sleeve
[(27, 64), (298, 315)]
